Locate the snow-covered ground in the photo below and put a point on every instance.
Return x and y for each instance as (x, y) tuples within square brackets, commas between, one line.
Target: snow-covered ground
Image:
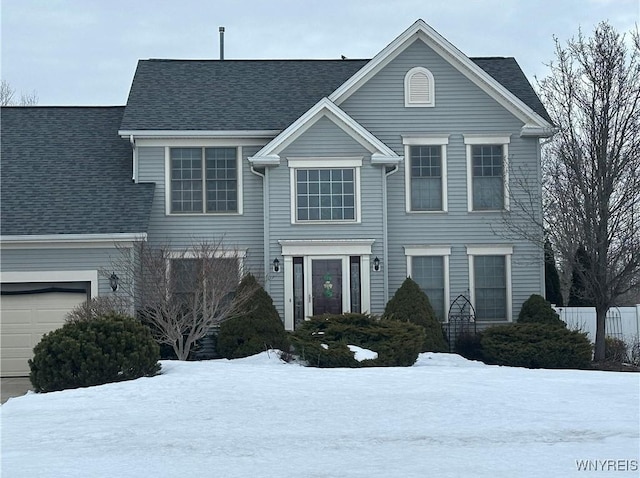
[(259, 417)]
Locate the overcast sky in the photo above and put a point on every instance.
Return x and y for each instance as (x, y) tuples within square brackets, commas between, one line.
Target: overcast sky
[(84, 52)]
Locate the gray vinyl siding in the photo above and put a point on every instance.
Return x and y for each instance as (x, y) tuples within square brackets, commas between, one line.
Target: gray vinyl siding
[(325, 140), (460, 108), (242, 231), (65, 259)]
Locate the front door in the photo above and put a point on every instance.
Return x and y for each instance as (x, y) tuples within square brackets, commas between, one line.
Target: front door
[(326, 286)]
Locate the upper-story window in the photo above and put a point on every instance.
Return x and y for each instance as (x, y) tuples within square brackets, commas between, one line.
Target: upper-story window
[(203, 180), (487, 172), (325, 190), (426, 173), (419, 88)]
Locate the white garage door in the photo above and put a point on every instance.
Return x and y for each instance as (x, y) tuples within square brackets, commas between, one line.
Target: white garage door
[(25, 319)]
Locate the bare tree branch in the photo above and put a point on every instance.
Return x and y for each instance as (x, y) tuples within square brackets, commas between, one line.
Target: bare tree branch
[(591, 168), (182, 294)]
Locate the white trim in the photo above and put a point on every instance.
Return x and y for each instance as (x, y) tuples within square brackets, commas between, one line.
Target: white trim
[(492, 250), (427, 250), (239, 182), (431, 100), (199, 142), (288, 292), (480, 139), (324, 163), (354, 163), (321, 247), (420, 30), (409, 141), (324, 108), (53, 276), (145, 134), (69, 240), (425, 139)]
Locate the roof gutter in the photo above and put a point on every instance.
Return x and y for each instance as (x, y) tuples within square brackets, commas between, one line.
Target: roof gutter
[(24, 239), (141, 133)]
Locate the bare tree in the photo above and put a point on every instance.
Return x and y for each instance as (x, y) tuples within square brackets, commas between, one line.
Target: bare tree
[(8, 93), (592, 166), (182, 294)]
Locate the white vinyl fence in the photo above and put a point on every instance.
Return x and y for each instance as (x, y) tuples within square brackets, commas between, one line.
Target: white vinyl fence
[(622, 322)]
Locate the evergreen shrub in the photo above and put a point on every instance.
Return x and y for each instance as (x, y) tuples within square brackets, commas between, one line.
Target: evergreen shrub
[(322, 341), (256, 328), (409, 303), (537, 310), (469, 346), (105, 349), (535, 346)]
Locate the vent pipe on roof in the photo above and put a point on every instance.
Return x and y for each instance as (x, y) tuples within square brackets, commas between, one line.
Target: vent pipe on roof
[(221, 30)]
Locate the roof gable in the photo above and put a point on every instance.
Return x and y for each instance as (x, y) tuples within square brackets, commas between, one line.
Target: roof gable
[(534, 122), (380, 153)]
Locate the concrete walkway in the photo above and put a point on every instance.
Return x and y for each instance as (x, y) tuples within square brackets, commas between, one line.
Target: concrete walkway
[(14, 387)]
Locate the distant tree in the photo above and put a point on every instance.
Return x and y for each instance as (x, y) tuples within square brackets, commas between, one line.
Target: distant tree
[(578, 294), (552, 279), (592, 166), (8, 93)]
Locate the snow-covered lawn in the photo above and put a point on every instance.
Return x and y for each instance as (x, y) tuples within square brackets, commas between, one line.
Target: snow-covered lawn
[(259, 417)]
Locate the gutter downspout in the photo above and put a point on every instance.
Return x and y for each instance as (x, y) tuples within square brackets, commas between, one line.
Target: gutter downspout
[(134, 166), (385, 238), (265, 224)]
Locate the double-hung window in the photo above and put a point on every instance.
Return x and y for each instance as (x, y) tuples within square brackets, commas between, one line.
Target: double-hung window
[(325, 190), (426, 173), (204, 281), (204, 180), (487, 172), (428, 266), (490, 281)]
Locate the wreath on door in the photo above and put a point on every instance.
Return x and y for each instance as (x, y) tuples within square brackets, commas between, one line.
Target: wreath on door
[(328, 286)]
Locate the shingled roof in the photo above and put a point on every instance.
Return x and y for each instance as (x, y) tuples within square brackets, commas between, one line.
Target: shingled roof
[(214, 95), (65, 170)]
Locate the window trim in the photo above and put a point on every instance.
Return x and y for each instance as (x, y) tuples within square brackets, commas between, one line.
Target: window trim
[(425, 140), (295, 163), (432, 250), (503, 140), (492, 250), (239, 181), (431, 101)]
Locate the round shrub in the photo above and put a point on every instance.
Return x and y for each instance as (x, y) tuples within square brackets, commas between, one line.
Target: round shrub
[(256, 328), (409, 303), (536, 346), (537, 310), (105, 349), (615, 350), (322, 341)]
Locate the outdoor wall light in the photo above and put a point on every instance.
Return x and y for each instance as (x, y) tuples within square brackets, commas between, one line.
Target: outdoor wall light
[(376, 264), (276, 265), (113, 281)]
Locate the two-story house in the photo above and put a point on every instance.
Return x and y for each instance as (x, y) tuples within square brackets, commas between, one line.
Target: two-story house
[(334, 180)]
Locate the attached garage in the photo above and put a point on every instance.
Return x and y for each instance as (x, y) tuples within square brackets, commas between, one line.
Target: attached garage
[(28, 312)]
